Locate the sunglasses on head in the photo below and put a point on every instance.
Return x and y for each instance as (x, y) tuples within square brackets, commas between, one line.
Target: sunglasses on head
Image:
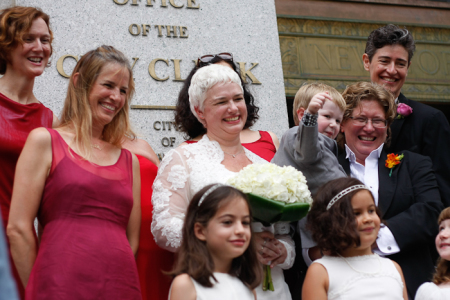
[(206, 59)]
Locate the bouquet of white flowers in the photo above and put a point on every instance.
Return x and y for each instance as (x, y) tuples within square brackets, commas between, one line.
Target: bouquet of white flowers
[(275, 194)]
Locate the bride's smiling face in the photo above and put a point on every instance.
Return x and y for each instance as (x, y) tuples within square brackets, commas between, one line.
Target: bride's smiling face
[(224, 109)]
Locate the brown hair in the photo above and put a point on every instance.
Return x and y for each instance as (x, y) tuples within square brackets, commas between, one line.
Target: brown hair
[(15, 22), (193, 256), (334, 230), (390, 35), (308, 90), (360, 91), (77, 112), (443, 266)]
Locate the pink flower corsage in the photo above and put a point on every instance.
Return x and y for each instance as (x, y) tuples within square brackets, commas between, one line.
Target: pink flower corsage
[(403, 110)]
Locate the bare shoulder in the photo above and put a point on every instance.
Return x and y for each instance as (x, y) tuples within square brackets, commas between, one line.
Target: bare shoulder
[(316, 283), (183, 288), (317, 269), (39, 137), (141, 147), (275, 139), (37, 151)]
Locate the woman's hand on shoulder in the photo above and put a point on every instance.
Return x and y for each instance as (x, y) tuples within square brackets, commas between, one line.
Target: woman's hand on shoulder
[(183, 288), (315, 286)]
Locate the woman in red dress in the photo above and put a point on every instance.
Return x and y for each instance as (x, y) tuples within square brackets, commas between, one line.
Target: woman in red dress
[(84, 189), (151, 259), (25, 49)]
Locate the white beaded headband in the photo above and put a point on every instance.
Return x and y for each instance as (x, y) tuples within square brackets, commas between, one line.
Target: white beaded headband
[(209, 191), (345, 192)]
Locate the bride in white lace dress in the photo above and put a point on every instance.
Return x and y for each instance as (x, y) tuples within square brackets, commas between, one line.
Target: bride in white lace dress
[(216, 99)]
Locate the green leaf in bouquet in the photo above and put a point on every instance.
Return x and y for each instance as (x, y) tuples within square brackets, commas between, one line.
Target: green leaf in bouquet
[(270, 211)]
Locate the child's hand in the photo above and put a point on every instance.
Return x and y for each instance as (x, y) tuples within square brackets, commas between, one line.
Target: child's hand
[(317, 102)]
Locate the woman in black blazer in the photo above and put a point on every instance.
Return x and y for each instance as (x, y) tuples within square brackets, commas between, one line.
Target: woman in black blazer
[(405, 189)]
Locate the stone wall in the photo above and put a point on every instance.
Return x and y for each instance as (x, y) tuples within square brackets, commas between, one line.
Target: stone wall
[(162, 38)]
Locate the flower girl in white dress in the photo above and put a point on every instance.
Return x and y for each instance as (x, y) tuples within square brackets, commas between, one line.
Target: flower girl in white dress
[(439, 289), (217, 259), (344, 222)]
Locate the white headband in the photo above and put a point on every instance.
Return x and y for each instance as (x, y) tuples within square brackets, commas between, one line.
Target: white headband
[(345, 192), (209, 191)]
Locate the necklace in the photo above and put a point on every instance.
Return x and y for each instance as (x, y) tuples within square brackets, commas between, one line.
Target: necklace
[(96, 146), (234, 155), (357, 271)]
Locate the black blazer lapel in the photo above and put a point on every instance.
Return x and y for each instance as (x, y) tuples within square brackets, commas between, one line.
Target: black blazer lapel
[(345, 163), (386, 185)]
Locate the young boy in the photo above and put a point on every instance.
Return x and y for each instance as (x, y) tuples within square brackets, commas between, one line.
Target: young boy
[(318, 108)]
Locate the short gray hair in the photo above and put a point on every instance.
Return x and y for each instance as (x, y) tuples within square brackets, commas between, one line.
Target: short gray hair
[(204, 79)]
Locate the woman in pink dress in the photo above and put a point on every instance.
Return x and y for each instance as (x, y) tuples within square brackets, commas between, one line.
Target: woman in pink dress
[(84, 189), (25, 49)]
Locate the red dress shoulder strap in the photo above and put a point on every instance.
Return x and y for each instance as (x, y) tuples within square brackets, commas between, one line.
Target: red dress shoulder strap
[(264, 147)]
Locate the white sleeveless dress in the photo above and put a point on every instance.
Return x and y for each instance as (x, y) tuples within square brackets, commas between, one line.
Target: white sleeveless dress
[(430, 291), (227, 288), (362, 277)]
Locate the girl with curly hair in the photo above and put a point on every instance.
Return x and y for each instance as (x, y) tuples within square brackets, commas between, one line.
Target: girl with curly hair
[(344, 222)]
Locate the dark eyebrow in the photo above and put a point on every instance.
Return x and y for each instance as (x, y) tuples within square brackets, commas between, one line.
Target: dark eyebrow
[(32, 34), (227, 216), (388, 57), (232, 216), (113, 83)]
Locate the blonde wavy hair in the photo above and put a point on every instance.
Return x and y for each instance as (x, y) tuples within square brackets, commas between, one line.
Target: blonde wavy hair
[(77, 112), (443, 266)]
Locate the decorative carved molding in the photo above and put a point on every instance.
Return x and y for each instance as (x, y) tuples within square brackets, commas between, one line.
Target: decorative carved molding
[(331, 52), (288, 26)]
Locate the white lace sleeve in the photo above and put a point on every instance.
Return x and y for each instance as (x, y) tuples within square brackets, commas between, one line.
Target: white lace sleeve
[(288, 243), (170, 199)]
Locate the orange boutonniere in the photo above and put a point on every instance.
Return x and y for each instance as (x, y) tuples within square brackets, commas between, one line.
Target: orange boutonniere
[(393, 160)]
